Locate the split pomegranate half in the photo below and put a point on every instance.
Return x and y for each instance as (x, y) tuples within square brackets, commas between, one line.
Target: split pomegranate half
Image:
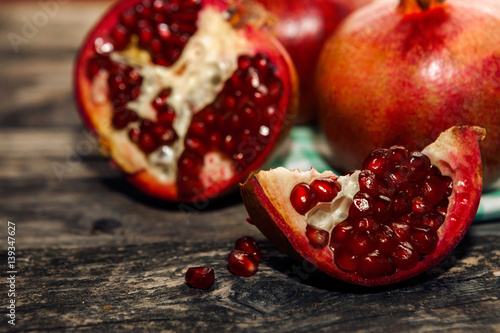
[(187, 96), (398, 216)]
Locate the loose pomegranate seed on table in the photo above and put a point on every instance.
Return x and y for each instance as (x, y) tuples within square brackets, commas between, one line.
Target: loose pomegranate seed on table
[(244, 259), (393, 219), (200, 277)]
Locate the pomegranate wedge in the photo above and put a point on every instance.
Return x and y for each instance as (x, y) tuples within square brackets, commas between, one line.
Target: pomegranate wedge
[(398, 216), (187, 96)]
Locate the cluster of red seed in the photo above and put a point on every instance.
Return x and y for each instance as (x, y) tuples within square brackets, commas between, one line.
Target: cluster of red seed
[(394, 218), (162, 27), (244, 259), (236, 123)]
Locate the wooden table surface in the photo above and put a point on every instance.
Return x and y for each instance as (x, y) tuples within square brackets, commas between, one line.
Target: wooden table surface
[(94, 254)]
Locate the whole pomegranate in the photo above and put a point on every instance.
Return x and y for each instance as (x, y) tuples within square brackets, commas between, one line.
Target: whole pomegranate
[(302, 27), (402, 72), (398, 216), (187, 96)]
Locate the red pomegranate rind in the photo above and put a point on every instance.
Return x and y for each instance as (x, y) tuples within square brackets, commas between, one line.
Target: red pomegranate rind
[(97, 115), (455, 153), (271, 216), (303, 29)]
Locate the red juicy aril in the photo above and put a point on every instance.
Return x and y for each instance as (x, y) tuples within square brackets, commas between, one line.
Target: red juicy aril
[(244, 259), (200, 277), (400, 72), (188, 96), (398, 216), (302, 27)]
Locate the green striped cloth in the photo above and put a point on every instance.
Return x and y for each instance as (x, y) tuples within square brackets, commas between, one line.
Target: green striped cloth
[(307, 146)]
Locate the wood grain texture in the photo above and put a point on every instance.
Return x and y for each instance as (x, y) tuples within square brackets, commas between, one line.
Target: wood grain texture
[(131, 287), (95, 254)]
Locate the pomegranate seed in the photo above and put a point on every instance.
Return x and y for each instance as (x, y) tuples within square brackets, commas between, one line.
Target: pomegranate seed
[(398, 176), (382, 207), (362, 205), (244, 62), (367, 223), (402, 230), (346, 260), (128, 18), (340, 234), (419, 206), (121, 37), (198, 129), (200, 277), (385, 239), (93, 67), (412, 189), (318, 238), (368, 183), (229, 103), (424, 239), (249, 245), (361, 243), (146, 142), (208, 116), (248, 113), (216, 140), (325, 189), (385, 187), (432, 190), (242, 263), (190, 163), (411, 218), (195, 146), (145, 33), (420, 164), (302, 198), (400, 203), (377, 162), (404, 256), (166, 116), (133, 134), (372, 265), (158, 5), (433, 220), (144, 9), (398, 156), (275, 90)]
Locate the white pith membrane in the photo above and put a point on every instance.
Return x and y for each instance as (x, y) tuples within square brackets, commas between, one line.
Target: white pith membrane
[(325, 215), (208, 60)]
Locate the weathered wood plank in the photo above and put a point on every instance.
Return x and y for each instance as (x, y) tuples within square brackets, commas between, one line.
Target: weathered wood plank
[(37, 64), (142, 287), (69, 214)]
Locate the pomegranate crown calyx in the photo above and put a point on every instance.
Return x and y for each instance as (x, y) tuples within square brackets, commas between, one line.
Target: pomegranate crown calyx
[(247, 12), (411, 6)]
